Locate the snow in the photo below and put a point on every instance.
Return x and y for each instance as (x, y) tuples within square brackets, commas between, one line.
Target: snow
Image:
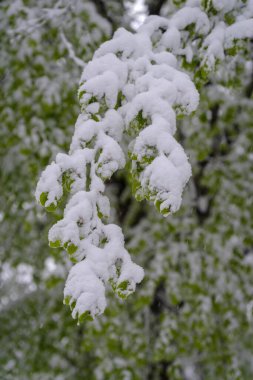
[(106, 84), (191, 15), (50, 183), (127, 76), (134, 85), (239, 30), (224, 5), (171, 39)]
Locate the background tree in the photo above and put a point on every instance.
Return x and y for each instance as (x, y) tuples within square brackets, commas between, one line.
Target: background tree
[(191, 317)]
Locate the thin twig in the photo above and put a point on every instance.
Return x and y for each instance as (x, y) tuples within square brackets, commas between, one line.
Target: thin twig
[(71, 52)]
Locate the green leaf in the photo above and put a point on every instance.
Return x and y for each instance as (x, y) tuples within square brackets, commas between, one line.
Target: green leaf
[(55, 244), (71, 248), (86, 316), (43, 198)]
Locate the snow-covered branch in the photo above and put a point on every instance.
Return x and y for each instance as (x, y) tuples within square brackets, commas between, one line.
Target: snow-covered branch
[(71, 51), (134, 84)]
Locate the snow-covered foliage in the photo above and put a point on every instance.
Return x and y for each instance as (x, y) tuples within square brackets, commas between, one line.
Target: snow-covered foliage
[(40, 76), (191, 317), (133, 84)]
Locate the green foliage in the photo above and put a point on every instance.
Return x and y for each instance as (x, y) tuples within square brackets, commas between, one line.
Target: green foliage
[(138, 123)]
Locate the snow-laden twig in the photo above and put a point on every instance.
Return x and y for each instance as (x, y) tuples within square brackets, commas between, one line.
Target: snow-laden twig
[(71, 51)]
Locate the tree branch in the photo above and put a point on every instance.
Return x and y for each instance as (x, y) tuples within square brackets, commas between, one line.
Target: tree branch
[(71, 52)]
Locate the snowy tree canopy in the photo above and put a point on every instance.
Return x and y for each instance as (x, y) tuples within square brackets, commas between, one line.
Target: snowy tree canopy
[(133, 83), (165, 118)]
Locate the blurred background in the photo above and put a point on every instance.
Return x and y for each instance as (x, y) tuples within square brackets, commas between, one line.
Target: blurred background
[(191, 318)]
